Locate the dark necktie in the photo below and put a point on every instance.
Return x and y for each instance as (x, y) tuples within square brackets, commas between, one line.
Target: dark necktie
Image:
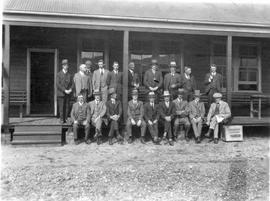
[(217, 109)]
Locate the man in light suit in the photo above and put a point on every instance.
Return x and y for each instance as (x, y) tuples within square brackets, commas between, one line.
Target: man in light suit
[(151, 116), (80, 116), (212, 82), (172, 80), (153, 78), (97, 112), (114, 80), (219, 112), (182, 115), (135, 117), (188, 83), (82, 83), (114, 112), (196, 115), (99, 81)]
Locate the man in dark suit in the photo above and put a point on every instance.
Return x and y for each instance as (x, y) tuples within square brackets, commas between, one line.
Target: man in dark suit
[(153, 78), (167, 114), (80, 116), (212, 83), (114, 80), (89, 73), (64, 89), (188, 83), (151, 116), (133, 79), (172, 80), (114, 112)]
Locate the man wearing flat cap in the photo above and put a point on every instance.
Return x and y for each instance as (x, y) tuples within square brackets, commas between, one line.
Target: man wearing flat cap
[(114, 112), (151, 116), (188, 83), (97, 112), (182, 114), (196, 115), (80, 116), (167, 114), (153, 78), (99, 81), (64, 89), (135, 117), (219, 112), (172, 80)]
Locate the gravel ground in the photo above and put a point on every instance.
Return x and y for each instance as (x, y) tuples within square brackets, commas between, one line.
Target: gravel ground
[(186, 171)]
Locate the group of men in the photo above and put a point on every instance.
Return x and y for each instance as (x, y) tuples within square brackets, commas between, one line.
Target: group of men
[(179, 110)]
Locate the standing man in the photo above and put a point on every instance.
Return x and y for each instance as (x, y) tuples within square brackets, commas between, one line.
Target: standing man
[(80, 115), (153, 78), (212, 83), (182, 115), (114, 112), (114, 80), (64, 89), (82, 83), (97, 112), (133, 79), (219, 112), (167, 113), (172, 80), (88, 72), (135, 116), (196, 115), (188, 83), (151, 116), (99, 81)]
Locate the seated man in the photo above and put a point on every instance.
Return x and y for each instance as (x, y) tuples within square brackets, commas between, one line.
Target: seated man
[(135, 116), (80, 115), (182, 112), (196, 115), (151, 116), (219, 112), (167, 113), (114, 112), (97, 111)]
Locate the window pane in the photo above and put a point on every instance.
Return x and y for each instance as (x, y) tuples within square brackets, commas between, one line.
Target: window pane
[(248, 87), (252, 76), (242, 75), (248, 62), (248, 50)]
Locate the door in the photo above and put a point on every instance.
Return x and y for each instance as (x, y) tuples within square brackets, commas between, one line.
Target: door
[(41, 85)]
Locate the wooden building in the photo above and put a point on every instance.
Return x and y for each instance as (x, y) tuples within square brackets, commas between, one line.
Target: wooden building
[(37, 35)]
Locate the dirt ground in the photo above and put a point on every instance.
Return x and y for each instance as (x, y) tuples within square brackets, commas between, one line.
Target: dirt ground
[(186, 171)]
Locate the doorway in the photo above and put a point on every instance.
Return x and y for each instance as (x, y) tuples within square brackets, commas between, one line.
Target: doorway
[(41, 82)]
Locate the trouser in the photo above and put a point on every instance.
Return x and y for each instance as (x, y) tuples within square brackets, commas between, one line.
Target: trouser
[(214, 125), (114, 126), (168, 128), (63, 105), (197, 128), (129, 128), (104, 94), (210, 96), (97, 124), (181, 121), (188, 95), (76, 128), (153, 129)]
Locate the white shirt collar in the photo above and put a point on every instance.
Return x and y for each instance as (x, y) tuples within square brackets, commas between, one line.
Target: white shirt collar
[(82, 73), (101, 70), (214, 73), (65, 71), (80, 103), (187, 76)]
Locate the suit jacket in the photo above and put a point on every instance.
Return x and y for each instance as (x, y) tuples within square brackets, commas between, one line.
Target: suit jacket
[(132, 79), (167, 111), (112, 109), (182, 109), (115, 81), (188, 84), (75, 108), (196, 110), (63, 82), (82, 82), (169, 80), (224, 110), (97, 109), (98, 81), (135, 111), (151, 113), (214, 84), (149, 78)]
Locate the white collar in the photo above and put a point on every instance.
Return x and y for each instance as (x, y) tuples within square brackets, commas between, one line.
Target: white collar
[(115, 71), (214, 73), (65, 71), (81, 73), (101, 70), (80, 103), (187, 76)]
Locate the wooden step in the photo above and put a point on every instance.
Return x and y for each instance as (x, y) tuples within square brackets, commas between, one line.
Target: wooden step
[(36, 133), (37, 137), (31, 142)]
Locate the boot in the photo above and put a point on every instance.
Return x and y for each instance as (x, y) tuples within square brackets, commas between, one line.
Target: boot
[(142, 140)]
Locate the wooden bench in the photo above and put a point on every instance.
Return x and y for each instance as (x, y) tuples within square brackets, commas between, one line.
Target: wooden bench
[(18, 98)]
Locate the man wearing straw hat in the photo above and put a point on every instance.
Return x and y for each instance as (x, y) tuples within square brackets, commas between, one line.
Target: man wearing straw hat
[(219, 112), (172, 80), (135, 117), (196, 115), (151, 116), (182, 112), (167, 114)]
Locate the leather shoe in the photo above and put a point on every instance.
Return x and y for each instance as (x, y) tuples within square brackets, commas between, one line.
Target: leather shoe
[(187, 138), (157, 141), (88, 141), (76, 142), (170, 142), (129, 140), (142, 140), (110, 141), (197, 140), (99, 141), (215, 140)]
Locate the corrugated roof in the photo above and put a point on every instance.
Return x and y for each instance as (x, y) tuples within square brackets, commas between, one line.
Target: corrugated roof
[(152, 10)]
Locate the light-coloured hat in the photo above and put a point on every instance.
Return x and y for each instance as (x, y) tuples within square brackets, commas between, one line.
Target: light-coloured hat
[(172, 64), (154, 61), (181, 91), (151, 94), (166, 93), (217, 95), (112, 91), (197, 93), (96, 92)]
